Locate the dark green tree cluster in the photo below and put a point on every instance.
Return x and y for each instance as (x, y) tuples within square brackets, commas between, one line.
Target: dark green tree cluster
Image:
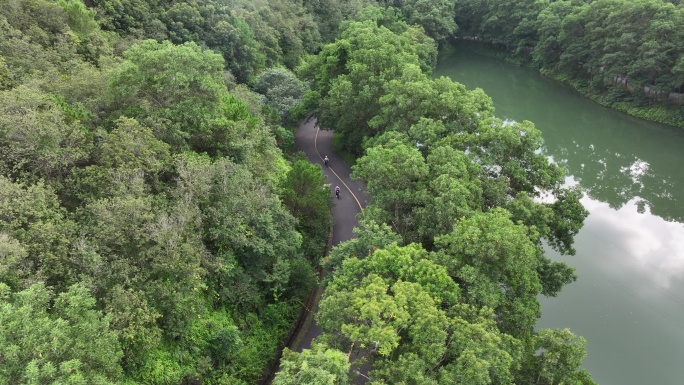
[(151, 230), (623, 51), (282, 91), (251, 36), (463, 192), (435, 16)]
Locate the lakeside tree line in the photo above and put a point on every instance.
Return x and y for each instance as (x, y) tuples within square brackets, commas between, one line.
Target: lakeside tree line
[(156, 229), (625, 54)]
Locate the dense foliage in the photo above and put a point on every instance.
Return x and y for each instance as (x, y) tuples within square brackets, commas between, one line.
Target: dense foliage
[(250, 35), (151, 230)]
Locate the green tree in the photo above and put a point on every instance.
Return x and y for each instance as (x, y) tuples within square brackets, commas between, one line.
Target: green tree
[(551, 223), (5, 75), (31, 215), (125, 16), (179, 92), (134, 319), (234, 39), (370, 236), (435, 16), (307, 197), (511, 151), (405, 312), (249, 232), (130, 154), (185, 23), (576, 52), (395, 175), (511, 25), (469, 16), (82, 93), (455, 191), (38, 138), (293, 29), (316, 366), (419, 197), (91, 43), (281, 89), (495, 262), (42, 22), (57, 32), (353, 71), (13, 258), (133, 146), (392, 303), (68, 342), (478, 352), (548, 49), (330, 14), (560, 356), (413, 96)]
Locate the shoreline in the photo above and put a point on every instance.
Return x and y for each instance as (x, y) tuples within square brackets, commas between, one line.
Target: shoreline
[(658, 113)]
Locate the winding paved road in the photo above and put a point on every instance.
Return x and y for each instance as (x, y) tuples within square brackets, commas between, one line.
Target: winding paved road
[(317, 144)]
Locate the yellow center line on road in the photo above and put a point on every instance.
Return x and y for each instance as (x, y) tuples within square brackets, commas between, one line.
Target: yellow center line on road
[(333, 171)]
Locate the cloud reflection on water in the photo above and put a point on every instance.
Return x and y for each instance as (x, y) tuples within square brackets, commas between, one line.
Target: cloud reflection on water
[(644, 243)]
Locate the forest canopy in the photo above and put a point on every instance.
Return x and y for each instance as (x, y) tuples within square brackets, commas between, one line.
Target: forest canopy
[(144, 232), (156, 226)]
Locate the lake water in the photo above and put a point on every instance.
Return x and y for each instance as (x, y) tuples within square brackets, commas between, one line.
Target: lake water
[(629, 299)]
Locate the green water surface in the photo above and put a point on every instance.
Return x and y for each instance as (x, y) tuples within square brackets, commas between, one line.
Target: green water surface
[(629, 300)]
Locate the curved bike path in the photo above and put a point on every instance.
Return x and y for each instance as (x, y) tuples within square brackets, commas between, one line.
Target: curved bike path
[(316, 144)]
